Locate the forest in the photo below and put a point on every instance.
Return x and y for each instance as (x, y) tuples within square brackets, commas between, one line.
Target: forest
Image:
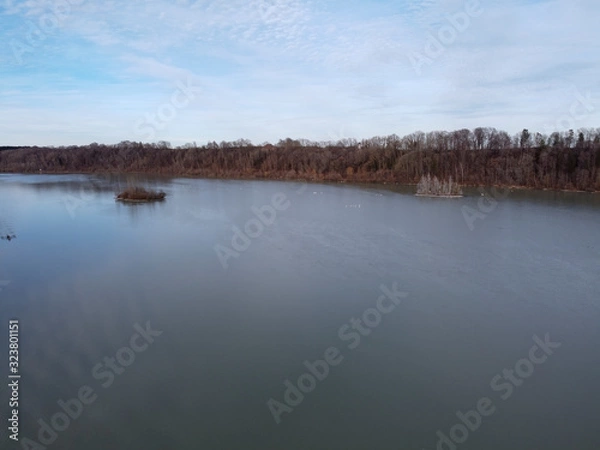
[(567, 160)]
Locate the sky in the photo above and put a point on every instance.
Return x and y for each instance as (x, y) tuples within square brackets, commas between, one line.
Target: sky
[(184, 71)]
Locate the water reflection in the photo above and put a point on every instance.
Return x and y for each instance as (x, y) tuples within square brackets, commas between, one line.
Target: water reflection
[(7, 232), (136, 210), (79, 285)]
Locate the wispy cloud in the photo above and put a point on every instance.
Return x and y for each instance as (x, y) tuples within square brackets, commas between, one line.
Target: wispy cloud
[(276, 68)]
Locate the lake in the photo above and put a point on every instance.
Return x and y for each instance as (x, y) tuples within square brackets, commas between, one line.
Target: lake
[(283, 315)]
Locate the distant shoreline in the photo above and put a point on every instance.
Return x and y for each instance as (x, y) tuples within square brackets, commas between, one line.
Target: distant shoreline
[(484, 156), (498, 160), (383, 182)]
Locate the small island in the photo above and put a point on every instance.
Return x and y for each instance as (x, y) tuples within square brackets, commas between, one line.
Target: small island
[(139, 194), (432, 187)]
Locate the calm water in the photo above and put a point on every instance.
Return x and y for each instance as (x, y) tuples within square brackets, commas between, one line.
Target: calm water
[(83, 270)]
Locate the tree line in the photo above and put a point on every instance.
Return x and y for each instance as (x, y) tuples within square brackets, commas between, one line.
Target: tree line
[(483, 156)]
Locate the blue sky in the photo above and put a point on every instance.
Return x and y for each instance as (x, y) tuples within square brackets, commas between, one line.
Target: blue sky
[(81, 71)]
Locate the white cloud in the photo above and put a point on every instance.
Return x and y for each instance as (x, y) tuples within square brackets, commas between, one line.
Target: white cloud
[(273, 68)]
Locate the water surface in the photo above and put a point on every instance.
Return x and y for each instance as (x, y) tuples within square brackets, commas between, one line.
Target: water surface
[(83, 269)]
